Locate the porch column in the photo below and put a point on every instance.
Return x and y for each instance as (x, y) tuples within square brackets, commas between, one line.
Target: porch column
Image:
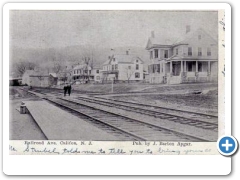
[(196, 76), (181, 66), (209, 67), (170, 67), (164, 64), (196, 66), (185, 66), (209, 70)]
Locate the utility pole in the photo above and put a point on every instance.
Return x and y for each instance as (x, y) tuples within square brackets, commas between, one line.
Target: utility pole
[(112, 84)]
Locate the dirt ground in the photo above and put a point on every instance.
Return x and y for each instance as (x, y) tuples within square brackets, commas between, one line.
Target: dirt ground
[(204, 102), (22, 126), (138, 87)]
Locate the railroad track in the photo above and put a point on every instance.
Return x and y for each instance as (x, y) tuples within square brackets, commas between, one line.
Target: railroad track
[(183, 117), (125, 127)]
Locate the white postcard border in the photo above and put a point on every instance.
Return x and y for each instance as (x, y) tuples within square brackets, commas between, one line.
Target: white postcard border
[(116, 165)]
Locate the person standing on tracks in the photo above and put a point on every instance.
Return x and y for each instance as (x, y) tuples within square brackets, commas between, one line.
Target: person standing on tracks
[(65, 89), (69, 89)]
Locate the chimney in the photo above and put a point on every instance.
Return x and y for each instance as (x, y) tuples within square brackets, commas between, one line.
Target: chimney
[(152, 34), (188, 29)]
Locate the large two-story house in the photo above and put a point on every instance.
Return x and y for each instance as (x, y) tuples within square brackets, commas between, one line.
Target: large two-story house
[(192, 58), (83, 73), (123, 68)]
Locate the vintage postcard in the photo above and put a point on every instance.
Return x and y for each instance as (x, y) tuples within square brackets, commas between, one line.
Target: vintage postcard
[(96, 80)]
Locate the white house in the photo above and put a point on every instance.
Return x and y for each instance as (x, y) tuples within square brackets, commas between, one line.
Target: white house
[(83, 73), (123, 67), (35, 78), (192, 58)]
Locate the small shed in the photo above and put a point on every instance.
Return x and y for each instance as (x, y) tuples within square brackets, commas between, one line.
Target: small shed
[(15, 81)]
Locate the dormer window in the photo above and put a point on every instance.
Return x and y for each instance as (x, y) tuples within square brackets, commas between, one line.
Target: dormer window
[(137, 67), (136, 61), (177, 51)]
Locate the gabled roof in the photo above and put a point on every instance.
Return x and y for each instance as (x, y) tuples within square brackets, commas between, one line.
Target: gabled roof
[(106, 62), (184, 39), (80, 66), (159, 40), (124, 58), (53, 74), (162, 42)]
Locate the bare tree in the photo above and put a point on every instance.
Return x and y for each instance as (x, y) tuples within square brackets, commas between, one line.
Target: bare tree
[(57, 63), (129, 72), (57, 67), (23, 66)]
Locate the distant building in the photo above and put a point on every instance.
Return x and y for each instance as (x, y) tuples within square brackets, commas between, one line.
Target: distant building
[(96, 74), (35, 78), (15, 81), (193, 58), (53, 79), (122, 67), (83, 74)]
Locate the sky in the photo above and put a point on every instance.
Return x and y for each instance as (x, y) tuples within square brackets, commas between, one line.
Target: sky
[(108, 29)]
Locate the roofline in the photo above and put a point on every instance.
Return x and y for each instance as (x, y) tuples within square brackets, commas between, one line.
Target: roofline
[(192, 59), (38, 75), (158, 46)]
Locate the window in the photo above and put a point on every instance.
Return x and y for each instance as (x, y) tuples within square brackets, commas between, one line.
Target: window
[(116, 66), (156, 53), (86, 71), (137, 66), (97, 71), (151, 54), (189, 51), (137, 75), (199, 37), (113, 59), (89, 71), (112, 67), (199, 51), (137, 61), (158, 68), (129, 67), (165, 53), (209, 51), (176, 51), (98, 78), (149, 69)]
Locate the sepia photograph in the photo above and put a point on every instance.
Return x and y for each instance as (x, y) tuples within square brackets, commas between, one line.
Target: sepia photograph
[(111, 75)]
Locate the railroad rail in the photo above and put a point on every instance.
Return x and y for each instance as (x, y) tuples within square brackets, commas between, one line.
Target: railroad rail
[(183, 117), (132, 128)]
